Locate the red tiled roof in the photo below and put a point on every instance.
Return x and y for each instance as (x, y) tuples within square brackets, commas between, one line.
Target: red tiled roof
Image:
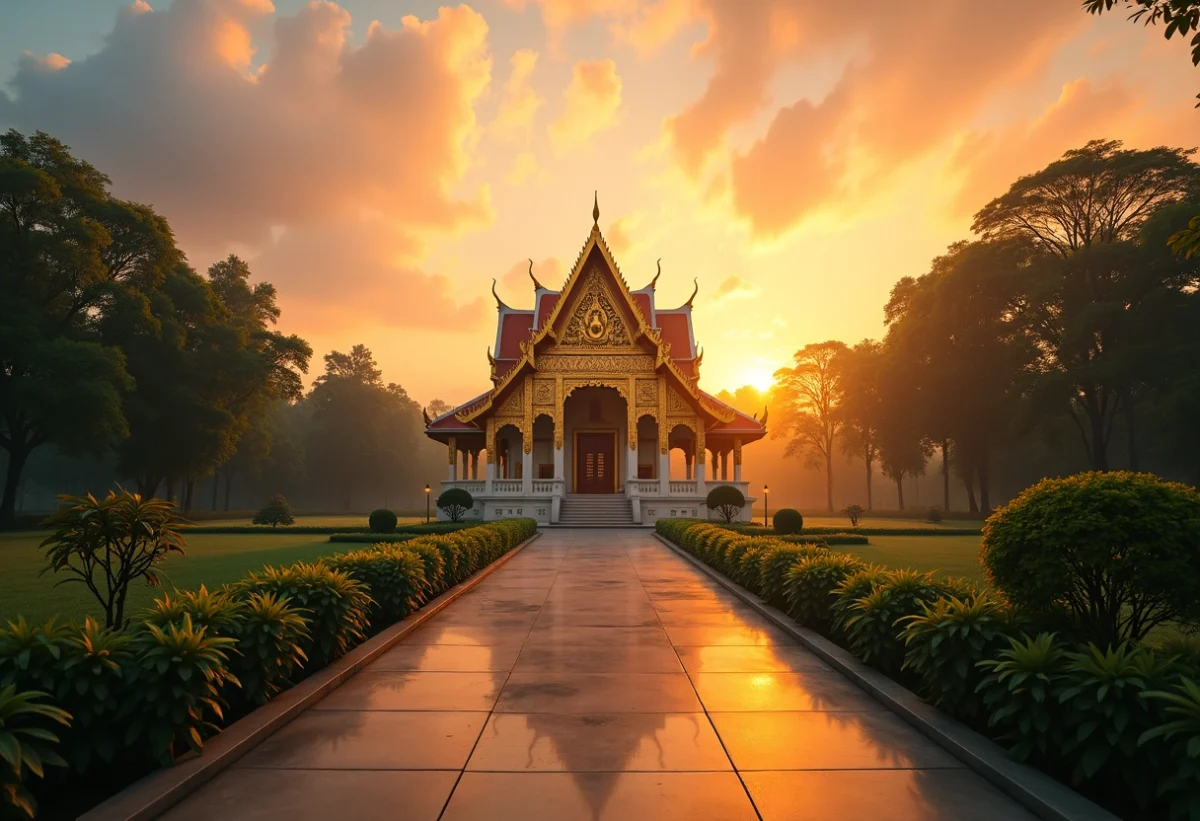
[(448, 422), (674, 327), (514, 329), (741, 422), (545, 306)]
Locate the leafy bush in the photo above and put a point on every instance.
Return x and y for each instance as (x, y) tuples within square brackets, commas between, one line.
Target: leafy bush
[(382, 521), (275, 512), (832, 540), (853, 513), (810, 584), (216, 610), (394, 578), (726, 500), (851, 589), (773, 566), (872, 626), (270, 635), (178, 677), (787, 521), (92, 687), (746, 573), (1118, 550), (946, 642), (336, 605), (30, 654), (435, 564), (1180, 786), (1102, 701), (108, 544), (26, 744), (455, 502), (1020, 692), (934, 516)]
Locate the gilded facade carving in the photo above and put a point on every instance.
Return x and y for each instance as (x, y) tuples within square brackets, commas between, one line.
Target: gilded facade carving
[(737, 452), (664, 430), (647, 392), (559, 398), (580, 363), (513, 403), (527, 417), (490, 442), (700, 444), (453, 448), (619, 385), (676, 406), (596, 322), (543, 392)]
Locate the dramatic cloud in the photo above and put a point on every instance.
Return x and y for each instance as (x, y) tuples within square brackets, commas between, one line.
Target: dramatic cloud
[(592, 100), (734, 287), (233, 146), (517, 289), (619, 235), (521, 102)]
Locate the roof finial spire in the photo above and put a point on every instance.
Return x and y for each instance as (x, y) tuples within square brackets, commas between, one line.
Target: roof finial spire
[(536, 284), (688, 304), (657, 275), (596, 209), (499, 303)]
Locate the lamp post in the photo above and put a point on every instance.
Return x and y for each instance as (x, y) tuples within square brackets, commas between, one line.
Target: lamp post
[(766, 506), (426, 504)]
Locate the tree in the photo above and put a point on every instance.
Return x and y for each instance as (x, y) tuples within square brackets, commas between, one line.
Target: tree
[(810, 394), (65, 245), (456, 502), (275, 512), (1179, 16), (860, 408), (726, 500), (1084, 212), (108, 544)]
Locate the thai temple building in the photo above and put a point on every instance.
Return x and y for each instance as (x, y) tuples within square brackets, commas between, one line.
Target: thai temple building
[(592, 389)]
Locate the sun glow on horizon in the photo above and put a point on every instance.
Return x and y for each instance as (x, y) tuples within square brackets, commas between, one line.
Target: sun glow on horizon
[(759, 377)]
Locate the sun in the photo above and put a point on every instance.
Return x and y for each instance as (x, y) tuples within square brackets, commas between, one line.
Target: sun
[(759, 377)]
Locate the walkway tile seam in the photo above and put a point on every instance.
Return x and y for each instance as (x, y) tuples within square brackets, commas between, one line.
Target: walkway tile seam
[(711, 723), (483, 725)]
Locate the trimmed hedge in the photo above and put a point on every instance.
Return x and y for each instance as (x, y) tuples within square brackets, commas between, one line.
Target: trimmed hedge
[(197, 660), (1121, 724), (372, 538), (824, 530), (315, 530)]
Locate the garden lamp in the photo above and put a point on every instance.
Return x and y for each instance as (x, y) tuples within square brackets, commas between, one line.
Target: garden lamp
[(766, 506), (426, 504)]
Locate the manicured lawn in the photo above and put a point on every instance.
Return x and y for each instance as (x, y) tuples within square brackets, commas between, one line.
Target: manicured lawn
[(211, 559), (351, 520), (948, 555), (842, 521)]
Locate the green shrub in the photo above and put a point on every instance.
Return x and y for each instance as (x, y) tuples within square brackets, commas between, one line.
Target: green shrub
[(945, 643), (1179, 784), (830, 540), (336, 605), (455, 502), (1020, 690), (746, 573), (178, 674), (371, 538), (853, 513), (1184, 648), (810, 584), (934, 516), (30, 654), (382, 521), (727, 500), (92, 686), (394, 578), (108, 544), (773, 566), (1118, 550), (435, 565), (275, 512), (27, 745), (216, 610), (872, 630), (270, 636), (851, 589), (787, 521)]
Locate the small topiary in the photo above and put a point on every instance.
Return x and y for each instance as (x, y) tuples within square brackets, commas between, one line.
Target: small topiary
[(853, 513), (726, 500), (934, 516), (382, 521), (275, 512), (787, 521), (1117, 550), (456, 502)]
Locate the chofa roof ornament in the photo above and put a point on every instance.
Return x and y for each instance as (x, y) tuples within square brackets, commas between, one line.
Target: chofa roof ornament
[(688, 304), (657, 274), (537, 285), (499, 302), (596, 209)]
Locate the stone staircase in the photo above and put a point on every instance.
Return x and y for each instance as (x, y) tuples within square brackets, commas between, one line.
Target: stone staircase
[(595, 510)]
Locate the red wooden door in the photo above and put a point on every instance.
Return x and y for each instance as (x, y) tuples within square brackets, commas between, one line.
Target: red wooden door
[(595, 463)]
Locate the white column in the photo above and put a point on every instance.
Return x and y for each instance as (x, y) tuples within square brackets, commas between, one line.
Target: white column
[(701, 488), (488, 475), (664, 474), (558, 464), (526, 471), (737, 471), (631, 456)]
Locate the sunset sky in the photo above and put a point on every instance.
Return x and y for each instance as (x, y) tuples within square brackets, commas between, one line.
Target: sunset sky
[(380, 161)]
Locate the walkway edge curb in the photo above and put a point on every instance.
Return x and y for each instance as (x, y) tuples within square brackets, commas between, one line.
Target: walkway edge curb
[(1045, 797), (156, 793)]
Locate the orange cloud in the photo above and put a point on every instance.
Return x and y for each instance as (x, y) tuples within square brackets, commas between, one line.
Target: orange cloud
[(592, 100), (521, 102), (550, 272), (232, 144), (734, 287)]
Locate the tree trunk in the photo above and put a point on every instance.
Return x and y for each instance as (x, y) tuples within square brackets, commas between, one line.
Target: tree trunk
[(1131, 431), (12, 480), (969, 484), (228, 485), (189, 487), (829, 480), (869, 467), (216, 486), (985, 502), (900, 491), (946, 475)]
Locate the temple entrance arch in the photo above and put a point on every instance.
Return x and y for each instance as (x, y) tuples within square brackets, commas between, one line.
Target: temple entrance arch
[(594, 420)]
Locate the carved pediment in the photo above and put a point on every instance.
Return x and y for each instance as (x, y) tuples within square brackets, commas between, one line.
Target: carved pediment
[(595, 321)]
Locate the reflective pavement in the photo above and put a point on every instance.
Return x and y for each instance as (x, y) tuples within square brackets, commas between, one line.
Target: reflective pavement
[(595, 676)]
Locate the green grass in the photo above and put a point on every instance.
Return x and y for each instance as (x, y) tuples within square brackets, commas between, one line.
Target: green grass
[(351, 520), (948, 555), (883, 521), (211, 559)]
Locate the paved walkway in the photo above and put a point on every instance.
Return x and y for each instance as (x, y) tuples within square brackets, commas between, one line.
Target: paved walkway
[(598, 675)]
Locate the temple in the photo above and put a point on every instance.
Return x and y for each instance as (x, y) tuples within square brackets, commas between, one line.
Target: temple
[(591, 390)]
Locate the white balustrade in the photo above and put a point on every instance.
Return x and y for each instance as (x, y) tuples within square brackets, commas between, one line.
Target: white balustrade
[(543, 487), (506, 486), (683, 488), (646, 487)]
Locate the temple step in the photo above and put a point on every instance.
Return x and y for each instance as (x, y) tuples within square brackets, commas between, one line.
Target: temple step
[(600, 510)]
